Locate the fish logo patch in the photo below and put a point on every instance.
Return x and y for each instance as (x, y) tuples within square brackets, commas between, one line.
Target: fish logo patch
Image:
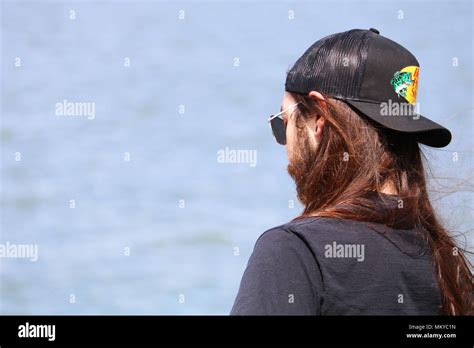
[(405, 83)]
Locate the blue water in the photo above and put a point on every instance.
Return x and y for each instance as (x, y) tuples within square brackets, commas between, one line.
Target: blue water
[(181, 252)]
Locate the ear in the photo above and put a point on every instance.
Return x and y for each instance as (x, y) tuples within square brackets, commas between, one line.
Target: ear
[(318, 97), (319, 127)]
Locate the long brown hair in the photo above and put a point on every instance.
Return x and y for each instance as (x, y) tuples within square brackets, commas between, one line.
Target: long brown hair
[(356, 158)]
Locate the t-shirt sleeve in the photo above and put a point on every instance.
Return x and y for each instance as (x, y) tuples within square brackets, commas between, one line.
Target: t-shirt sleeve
[(282, 278)]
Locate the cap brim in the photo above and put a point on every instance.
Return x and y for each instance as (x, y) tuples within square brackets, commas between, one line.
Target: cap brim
[(425, 131)]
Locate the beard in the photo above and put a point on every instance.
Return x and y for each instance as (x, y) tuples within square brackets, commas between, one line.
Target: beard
[(301, 164)]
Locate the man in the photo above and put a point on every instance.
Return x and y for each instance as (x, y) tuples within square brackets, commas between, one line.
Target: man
[(368, 240)]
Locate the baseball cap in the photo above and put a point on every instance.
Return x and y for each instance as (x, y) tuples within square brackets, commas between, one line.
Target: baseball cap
[(373, 74)]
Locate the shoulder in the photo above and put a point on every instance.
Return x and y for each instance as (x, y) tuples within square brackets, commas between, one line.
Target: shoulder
[(281, 238), (281, 277), (310, 235), (293, 239), (298, 229), (286, 241)]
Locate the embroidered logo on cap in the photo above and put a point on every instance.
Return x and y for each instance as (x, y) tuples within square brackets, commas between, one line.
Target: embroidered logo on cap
[(405, 83)]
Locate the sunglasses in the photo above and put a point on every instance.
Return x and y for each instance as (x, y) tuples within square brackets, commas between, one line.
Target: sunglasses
[(278, 125)]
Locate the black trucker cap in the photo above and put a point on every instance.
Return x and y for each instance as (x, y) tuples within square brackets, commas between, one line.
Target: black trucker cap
[(374, 75)]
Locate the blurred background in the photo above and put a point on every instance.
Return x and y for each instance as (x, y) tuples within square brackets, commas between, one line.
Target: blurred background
[(131, 210)]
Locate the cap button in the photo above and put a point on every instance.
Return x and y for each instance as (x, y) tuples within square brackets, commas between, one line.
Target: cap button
[(374, 30)]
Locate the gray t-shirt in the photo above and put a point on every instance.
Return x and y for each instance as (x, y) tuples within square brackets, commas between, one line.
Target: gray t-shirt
[(326, 266)]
